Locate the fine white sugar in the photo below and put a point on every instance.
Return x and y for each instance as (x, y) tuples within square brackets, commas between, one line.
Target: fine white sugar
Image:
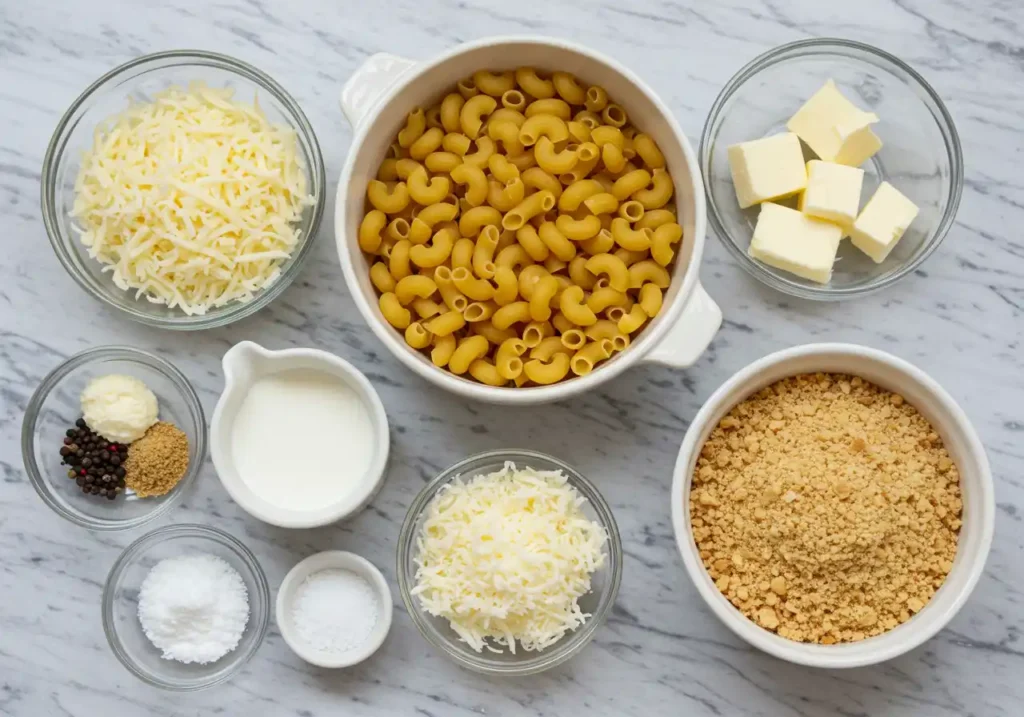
[(193, 608), (334, 611)]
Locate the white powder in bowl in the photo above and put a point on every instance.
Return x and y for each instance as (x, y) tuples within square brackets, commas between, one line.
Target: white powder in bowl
[(334, 611), (194, 608)]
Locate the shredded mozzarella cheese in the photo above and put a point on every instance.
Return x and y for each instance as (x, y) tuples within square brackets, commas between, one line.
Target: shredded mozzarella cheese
[(504, 557), (191, 199)]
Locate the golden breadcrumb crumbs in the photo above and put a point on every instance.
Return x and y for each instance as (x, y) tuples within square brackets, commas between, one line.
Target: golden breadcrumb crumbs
[(826, 509)]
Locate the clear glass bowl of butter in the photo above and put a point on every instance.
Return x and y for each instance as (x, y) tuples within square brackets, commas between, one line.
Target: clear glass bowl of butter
[(139, 81), (920, 154)]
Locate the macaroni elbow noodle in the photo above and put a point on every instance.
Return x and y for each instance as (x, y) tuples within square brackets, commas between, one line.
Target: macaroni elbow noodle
[(551, 160), (392, 309), (543, 292), (659, 193), (477, 218), (370, 229), (476, 289), (543, 373), (528, 208), (415, 125), (543, 125), (416, 336), (578, 229), (440, 249), (572, 307), (516, 312), (556, 242), (425, 190), (612, 267), (445, 324), (469, 350), (629, 238), (388, 201), (487, 373), (528, 79), (661, 243), (444, 347), (520, 231), (415, 286), (451, 107), (568, 88), (471, 117), (550, 106), (494, 84), (648, 271)]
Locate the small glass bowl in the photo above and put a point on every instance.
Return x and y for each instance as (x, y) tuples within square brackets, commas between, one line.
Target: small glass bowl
[(598, 602), (54, 407), (121, 605), (139, 79), (920, 156)]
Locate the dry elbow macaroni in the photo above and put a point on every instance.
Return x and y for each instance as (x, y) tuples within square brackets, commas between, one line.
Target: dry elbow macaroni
[(521, 231)]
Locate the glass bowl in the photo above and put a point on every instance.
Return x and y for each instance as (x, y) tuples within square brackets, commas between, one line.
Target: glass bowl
[(920, 156), (121, 603), (54, 407), (598, 602), (140, 79)]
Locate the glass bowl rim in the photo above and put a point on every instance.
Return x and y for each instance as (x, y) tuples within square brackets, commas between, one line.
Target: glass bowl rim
[(317, 172), (544, 660), (54, 378), (188, 530), (827, 46)]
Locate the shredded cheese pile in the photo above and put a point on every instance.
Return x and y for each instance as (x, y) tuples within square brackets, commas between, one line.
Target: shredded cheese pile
[(191, 199), (504, 557)]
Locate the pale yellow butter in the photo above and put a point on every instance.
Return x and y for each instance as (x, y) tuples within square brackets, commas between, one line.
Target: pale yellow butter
[(833, 192), (835, 128), (882, 222), (767, 169), (792, 241)]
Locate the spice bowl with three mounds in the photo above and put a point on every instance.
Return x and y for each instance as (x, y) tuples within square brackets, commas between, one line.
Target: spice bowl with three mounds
[(124, 630), (334, 560), (55, 406)]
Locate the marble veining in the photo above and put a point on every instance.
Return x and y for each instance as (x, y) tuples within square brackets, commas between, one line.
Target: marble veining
[(662, 652)]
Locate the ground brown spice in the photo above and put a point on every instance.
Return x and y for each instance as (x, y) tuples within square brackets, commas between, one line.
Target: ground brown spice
[(826, 509), (157, 461)]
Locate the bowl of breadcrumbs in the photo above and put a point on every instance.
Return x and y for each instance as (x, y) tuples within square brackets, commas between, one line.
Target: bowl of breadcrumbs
[(833, 505)]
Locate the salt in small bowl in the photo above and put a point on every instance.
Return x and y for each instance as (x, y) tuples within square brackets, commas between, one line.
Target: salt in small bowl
[(337, 560)]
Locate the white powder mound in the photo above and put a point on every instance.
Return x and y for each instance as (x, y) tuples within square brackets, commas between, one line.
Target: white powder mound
[(194, 608)]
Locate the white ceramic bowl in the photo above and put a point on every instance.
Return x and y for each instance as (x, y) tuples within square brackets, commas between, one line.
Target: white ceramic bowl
[(246, 362), (961, 441), (336, 559), (386, 88)]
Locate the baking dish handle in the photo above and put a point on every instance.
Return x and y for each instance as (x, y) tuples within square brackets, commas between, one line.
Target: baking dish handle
[(693, 331), (368, 84)]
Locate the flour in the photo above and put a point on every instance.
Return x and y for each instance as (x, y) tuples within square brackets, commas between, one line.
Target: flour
[(193, 608)]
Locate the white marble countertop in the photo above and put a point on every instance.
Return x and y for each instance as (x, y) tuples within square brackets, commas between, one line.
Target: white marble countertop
[(961, 318)]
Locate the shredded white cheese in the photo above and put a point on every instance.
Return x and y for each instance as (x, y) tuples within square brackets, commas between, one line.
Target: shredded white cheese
[(191, 199), (504, 557)]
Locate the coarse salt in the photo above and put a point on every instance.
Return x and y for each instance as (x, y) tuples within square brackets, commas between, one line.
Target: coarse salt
[(335, 611), (193, 608)]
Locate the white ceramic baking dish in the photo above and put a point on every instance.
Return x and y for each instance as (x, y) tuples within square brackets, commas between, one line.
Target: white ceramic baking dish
[(961, 441), (386, 88)]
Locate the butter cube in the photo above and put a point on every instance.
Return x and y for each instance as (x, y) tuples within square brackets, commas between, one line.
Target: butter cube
[(833, 192), (835, 128), (768, 168), (857, 142), (794, 242), (882, 222)]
